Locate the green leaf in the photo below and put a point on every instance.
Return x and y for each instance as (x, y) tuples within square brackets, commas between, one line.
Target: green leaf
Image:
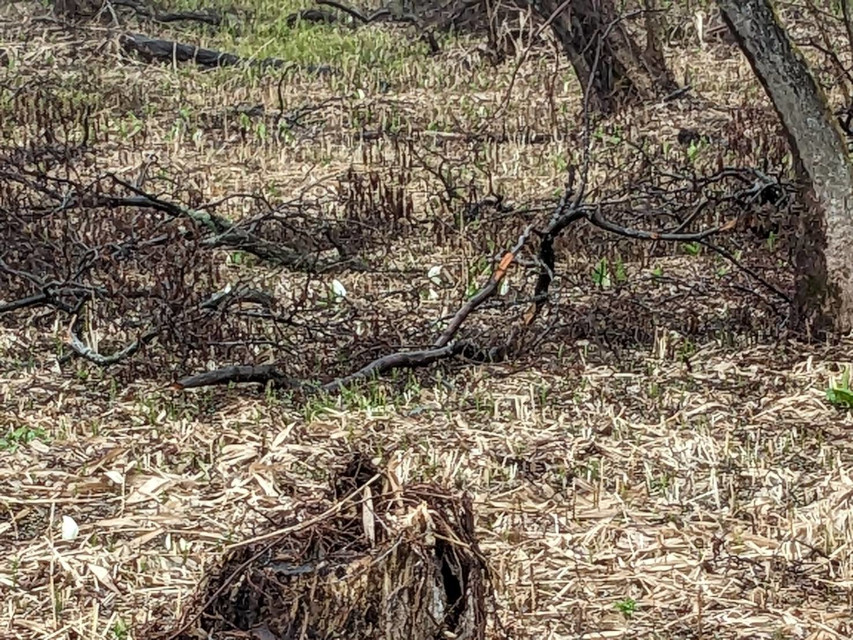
[(692, 248), (601, 274), (840, 397)]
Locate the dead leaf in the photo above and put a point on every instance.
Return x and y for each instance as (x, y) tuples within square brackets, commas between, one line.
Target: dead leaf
[(149, 490), (103, 577)]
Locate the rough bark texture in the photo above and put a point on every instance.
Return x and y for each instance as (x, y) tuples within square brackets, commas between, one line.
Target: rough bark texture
[(825, 259), (653, 57), (608, 61)]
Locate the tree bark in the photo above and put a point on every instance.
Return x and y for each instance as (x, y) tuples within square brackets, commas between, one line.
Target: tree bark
[(824, 258), (655, 24), (610, 65)]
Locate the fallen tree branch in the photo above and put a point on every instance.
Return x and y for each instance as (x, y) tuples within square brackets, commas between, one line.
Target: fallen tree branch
[(483, 294), (195, 16), (400, 360), (151, 49), (85, 351), (49, 292), (442, 349), (258, 374), (383, 12), (263, 374), (23, 303), (426, 34), (568, 211), (353, 13), (315, 16)]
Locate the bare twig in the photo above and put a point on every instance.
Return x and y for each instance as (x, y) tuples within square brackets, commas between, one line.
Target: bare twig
[(483, 294), (226, 233), (85, 351), (725, 253), (400, 360), (595, 217)]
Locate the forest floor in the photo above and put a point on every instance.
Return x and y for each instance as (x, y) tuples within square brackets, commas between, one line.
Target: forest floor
[(665, 463)]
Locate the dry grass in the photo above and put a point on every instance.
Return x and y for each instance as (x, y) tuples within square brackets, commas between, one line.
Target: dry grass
[(692, 482)]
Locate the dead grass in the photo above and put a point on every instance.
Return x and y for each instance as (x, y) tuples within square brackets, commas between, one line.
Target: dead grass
[(658, 470)]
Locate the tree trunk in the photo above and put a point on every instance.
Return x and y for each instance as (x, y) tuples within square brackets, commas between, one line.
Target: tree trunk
[(653, 57), (610, 64), (824, 259)]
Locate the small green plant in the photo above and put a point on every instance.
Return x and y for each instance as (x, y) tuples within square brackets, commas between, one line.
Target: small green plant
[(772, 238), (660, 483), (15, 567), (318, 406), (601, 274), (119, 629), (19, 436), (627, 607), (695, 148), (839, 393), (619, 272), (692, 248), (687, 350), (657, 272)]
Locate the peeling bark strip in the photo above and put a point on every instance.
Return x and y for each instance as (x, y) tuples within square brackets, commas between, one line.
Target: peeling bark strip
[(825, 259)]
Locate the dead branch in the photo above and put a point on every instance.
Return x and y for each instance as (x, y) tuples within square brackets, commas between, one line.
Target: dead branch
[(384, 13), (263, 374), (226, 233), (23, 303), (151, 49), (595, 217), (400, 360), (354, 13), (85, 351), (257, 374), (483, 294), (50, 292), (728, 255), (195, 16), (442, 349), (567, 212)]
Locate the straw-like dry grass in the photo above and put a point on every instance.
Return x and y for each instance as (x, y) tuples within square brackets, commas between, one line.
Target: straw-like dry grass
[(665, 467)]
